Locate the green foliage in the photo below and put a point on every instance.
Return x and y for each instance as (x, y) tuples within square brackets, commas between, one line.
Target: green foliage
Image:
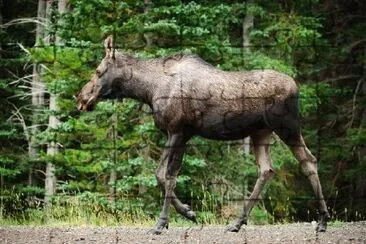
[(259, 216), (122, 138)]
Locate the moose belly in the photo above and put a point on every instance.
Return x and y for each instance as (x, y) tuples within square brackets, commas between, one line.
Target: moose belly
[(229, 126)]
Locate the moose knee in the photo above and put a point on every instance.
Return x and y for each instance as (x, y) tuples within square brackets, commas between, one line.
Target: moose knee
[(309, 168), (266, 173), (160, 177)]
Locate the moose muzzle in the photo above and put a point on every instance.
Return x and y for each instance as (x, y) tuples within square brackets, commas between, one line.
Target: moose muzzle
[(87, 98)]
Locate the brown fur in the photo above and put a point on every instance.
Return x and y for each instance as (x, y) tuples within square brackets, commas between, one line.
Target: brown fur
[(191, 97)]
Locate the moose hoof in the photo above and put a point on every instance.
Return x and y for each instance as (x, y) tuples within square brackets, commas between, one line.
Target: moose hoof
[(233, 228), (157, 230), (321, 227), (159, 227), (322, 224), (188, 213), (191, 216), (236, 226), (154, 232)]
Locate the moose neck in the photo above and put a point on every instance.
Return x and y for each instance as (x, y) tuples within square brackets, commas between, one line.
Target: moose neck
[(143, 81)]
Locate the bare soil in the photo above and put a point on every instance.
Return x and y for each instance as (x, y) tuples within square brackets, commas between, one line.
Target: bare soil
[(288, 233)]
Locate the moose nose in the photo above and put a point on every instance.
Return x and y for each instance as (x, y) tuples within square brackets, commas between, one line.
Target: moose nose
[(86, 104), (79, 100), (98, 72), (80, 106)]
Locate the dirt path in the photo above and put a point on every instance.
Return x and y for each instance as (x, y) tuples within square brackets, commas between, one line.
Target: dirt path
[(289, 233)]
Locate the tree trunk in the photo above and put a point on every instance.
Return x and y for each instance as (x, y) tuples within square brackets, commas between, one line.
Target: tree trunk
[(361, 152), (1, 175), (113, 172), (52, 147), (247, 24), (62, 8), (37, 90), (112, 184), (148, 35)]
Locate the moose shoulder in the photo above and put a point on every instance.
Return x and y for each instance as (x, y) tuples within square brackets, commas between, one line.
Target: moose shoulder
[(191, 97)]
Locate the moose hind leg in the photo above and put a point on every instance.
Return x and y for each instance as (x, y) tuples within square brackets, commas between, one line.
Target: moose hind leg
[(264, 162), (183, 209), (308, 167)]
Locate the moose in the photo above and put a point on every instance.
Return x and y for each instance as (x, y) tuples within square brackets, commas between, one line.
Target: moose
[(190, 97)]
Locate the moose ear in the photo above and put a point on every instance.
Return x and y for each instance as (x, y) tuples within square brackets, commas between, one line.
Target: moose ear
[(108, 43)]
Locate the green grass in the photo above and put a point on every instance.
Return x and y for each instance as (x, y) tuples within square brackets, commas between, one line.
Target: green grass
[(336, 223), (94, 210), (74, 218), (78, 215)]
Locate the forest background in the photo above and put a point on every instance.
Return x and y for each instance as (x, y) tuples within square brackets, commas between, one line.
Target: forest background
[(59, 165)]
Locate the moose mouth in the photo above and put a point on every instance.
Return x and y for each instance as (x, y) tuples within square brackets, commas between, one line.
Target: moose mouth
[(89, 105)]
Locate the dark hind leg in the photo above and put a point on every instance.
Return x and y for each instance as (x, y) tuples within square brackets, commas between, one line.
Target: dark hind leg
[(308, 165), (264, 162)]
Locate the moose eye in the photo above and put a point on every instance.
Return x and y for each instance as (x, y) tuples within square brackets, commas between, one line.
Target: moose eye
[(98, 72)]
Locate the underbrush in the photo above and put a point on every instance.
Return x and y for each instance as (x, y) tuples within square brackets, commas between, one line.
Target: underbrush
[(74, 212), (92, 209), (83, 209)]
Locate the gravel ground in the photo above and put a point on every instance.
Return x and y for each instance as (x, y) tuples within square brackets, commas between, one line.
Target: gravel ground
[(289, 233)]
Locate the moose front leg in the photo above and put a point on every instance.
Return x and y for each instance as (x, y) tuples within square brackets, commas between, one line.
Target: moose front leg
[(181, 208), (174, 155)]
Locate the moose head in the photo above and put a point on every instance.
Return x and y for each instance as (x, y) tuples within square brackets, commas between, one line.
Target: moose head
[(107, 81)]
